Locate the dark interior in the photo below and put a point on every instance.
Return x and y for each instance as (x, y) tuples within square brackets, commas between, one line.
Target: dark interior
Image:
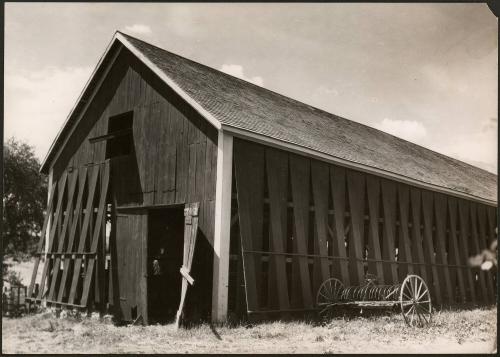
[(166, 231), (120, 128)]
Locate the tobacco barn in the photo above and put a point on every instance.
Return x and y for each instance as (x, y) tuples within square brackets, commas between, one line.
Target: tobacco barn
[(174, 187)]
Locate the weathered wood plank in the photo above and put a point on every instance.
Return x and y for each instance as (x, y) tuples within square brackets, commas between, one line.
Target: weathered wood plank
[(62, 237), (483, 243), (404, 248), (454, 257), (356, 193), (477, 249), (428, 209), (320, 184), (82, 181), (373, 192), (249, 174), (61, 187), (41, 242), (337, 181), (300, 180), (96, 233), (190, 235), (440, 244), (464, 227), (492, 224), (389, 212), (277, 180), (83, 234), (416, 239)]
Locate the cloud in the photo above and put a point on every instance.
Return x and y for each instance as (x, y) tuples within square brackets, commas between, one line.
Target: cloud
[(410, 130), (37, 103), (237, 71), (139, 29), (477, 148)]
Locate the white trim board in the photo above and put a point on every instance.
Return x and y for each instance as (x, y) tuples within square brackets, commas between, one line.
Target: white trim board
[(222, 227), (288, 146)]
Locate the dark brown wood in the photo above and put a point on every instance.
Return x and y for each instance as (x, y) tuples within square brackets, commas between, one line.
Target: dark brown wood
[(440, 206), (337, 181), (300, 176), (109, 136), (428, 209), (164, 129), (41, 242), (454, 257), (464, 227), (61, 187), (483, 244), (483, 290), (389, 211), (83, 234), (89, 274), (373, 194), (404, 248), (82, 182), (320, 184), (277, 180), (356, 191), (492, 224), (62, 237), (249, 174), (190, 233), (417, 248)]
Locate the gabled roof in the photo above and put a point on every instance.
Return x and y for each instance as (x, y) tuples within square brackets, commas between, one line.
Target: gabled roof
[(235, 105)]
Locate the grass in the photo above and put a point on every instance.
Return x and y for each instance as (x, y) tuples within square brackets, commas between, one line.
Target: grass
[(450, 332)]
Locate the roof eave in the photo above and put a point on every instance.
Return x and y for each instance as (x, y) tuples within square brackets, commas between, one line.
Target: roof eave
[(281, 144)]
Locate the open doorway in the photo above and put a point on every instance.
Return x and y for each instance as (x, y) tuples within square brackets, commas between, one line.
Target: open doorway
[(165, 255)]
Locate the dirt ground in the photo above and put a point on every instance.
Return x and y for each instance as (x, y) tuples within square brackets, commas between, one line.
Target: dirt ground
[(472, 331)]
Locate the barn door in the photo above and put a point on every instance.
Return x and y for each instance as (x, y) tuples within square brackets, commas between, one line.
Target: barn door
[(131, 240), (190, 233)]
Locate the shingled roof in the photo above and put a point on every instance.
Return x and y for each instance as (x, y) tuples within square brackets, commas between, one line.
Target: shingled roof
[(235, 103)]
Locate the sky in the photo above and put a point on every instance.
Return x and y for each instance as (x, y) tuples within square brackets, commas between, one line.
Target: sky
[(424, 72)]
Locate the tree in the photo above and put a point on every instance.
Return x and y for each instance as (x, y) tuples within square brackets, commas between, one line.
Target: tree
[(24, 199)]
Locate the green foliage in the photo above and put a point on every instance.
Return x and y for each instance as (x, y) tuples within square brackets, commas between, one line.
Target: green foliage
[(24, 199)]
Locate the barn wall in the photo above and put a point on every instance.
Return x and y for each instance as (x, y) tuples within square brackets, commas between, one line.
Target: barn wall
[(175, 148), (301, 221)]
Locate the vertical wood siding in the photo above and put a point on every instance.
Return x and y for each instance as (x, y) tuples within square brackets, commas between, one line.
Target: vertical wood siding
[(343, 223), (175, 150), (173, 161)]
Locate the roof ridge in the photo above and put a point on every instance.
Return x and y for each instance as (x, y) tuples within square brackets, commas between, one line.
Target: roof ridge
[(330, 116)]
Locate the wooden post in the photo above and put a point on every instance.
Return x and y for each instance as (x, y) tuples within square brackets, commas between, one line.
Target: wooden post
[(222, 227), (49, 222)]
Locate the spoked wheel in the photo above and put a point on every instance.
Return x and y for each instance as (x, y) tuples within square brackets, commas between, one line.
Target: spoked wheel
[(329, 292), (415, 301)]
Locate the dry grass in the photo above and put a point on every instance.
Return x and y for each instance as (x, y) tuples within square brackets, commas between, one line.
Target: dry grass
[(451, 332)]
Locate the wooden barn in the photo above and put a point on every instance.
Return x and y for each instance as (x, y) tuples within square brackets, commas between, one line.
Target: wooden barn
[(174, 187)]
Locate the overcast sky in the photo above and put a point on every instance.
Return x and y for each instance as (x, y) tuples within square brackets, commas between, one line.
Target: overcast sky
[(424, 72)]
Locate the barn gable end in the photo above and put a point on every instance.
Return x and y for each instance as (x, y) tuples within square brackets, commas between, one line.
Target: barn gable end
[(281, 195)]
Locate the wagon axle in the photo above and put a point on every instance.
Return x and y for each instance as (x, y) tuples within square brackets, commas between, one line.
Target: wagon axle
[(412, 296)]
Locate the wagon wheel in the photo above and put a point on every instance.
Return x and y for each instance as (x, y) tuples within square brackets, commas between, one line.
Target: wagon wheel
[(329, 292), (415, 301)]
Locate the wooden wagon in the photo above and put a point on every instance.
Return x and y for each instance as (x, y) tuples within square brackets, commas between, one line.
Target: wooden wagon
[(411, 296)]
